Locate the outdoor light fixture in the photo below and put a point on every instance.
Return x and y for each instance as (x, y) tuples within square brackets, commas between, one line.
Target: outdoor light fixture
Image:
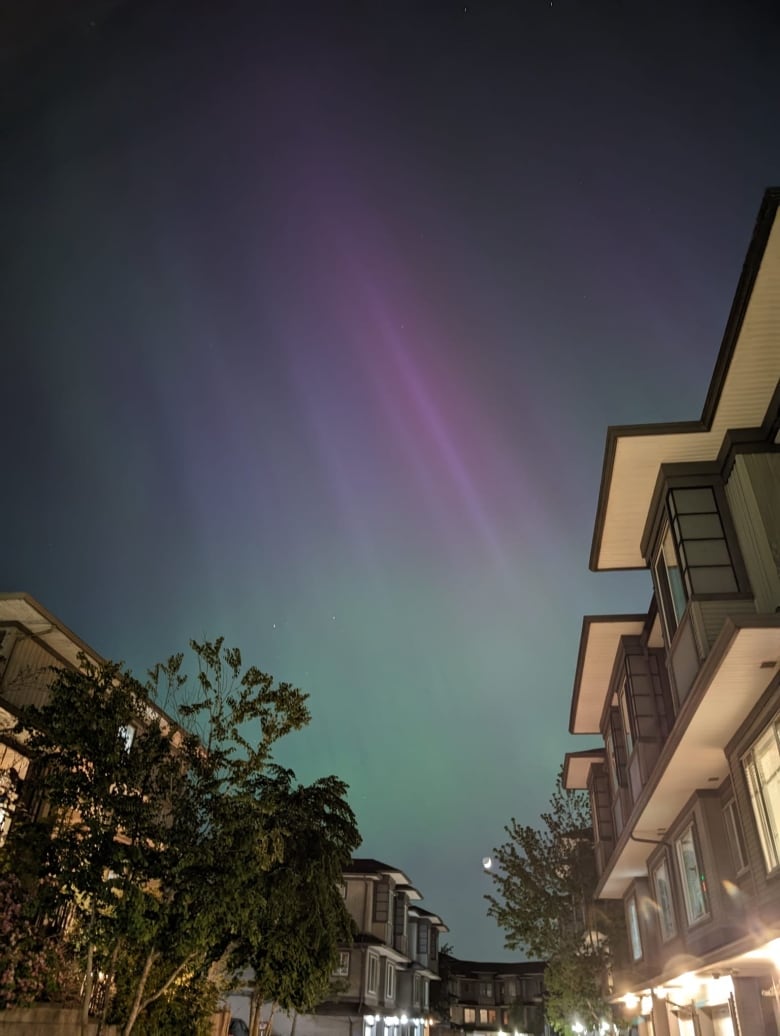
[(404, 1019), (646, 1005), (369, 1019), (631, 1000)]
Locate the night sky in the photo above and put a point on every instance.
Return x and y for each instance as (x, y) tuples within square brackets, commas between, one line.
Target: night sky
[(312, 321)]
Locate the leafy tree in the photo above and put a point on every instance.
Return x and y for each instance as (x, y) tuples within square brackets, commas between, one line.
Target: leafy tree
[(165, 843), (545, 882)]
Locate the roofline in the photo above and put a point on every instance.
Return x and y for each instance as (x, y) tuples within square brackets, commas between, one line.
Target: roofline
[(587, 622), (750, 268), (54, 621)]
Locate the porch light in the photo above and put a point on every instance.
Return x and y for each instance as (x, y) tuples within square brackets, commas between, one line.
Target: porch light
[(404, 1019), (646, 1005), (369, 1019), (631, 1000)]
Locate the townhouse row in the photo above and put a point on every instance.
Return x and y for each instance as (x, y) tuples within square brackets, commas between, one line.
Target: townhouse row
[(684, 699)]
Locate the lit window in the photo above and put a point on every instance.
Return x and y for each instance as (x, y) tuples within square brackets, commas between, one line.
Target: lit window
[(664, 901), (633, 929), (127, 736), (487, 1016), (372, 982), (342, 968), (425, 991), (469, 1015), (762, 766), (694, 885), (735, 836)]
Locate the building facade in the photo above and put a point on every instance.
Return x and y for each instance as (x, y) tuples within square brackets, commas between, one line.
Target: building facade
[(486, 998), (684, 698), (32, 643), (382, 985)]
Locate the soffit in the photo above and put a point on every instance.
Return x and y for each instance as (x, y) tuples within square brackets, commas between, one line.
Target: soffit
[(599, 644), (576, 768), (634, 454), (25, 610), (695, 759)]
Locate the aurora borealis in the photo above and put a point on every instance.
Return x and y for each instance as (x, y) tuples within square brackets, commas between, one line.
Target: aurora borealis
[(313, 318)]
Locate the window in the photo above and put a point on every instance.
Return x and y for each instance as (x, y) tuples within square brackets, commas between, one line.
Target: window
[(127, 735), (469, 1015), (670, 585), (425, 993), (416, 993), (389, 981), (694, 885), (422, 939), (487, 1016), (735, 836), (762, 766), (616, 751), (625, 712), (372, 983), (664, 901), (634, 935), (693, 557), (486, 990), (342, 968)]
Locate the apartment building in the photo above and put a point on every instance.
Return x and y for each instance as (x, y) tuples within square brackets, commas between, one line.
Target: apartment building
[(32, 642), (382, 983), (485, 998), (684, 699)]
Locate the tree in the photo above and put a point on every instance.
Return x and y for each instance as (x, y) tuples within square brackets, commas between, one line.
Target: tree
[(545, 883), (163, 837)]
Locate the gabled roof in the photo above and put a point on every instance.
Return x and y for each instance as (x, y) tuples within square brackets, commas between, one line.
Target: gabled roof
[(599, 642), (434, 919), (369, 866), (742, 389)]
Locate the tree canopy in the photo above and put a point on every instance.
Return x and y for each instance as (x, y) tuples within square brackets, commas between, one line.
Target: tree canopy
[(178, 846), (545, 882)]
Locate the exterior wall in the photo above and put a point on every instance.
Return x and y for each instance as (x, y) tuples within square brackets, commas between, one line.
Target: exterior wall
[(753, 492), (25, 677), (765, 888), (48, 1020)]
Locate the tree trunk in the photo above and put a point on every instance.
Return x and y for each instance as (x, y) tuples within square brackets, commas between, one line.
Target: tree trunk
[(139, 992), (255, 1011)]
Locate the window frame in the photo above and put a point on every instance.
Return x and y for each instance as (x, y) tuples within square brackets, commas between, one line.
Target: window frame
[(634, 930), (736, 836), (766, 820), (372, 974), (667, 919), (342, 969), (682, 869), (389, 981)]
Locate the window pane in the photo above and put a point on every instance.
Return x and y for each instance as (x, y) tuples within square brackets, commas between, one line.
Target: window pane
[(763, 768), (700, 526), (734, 832), (663, 895), (633, 930), (692, 877), (693, 501), (707, 552), (713, 580)]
